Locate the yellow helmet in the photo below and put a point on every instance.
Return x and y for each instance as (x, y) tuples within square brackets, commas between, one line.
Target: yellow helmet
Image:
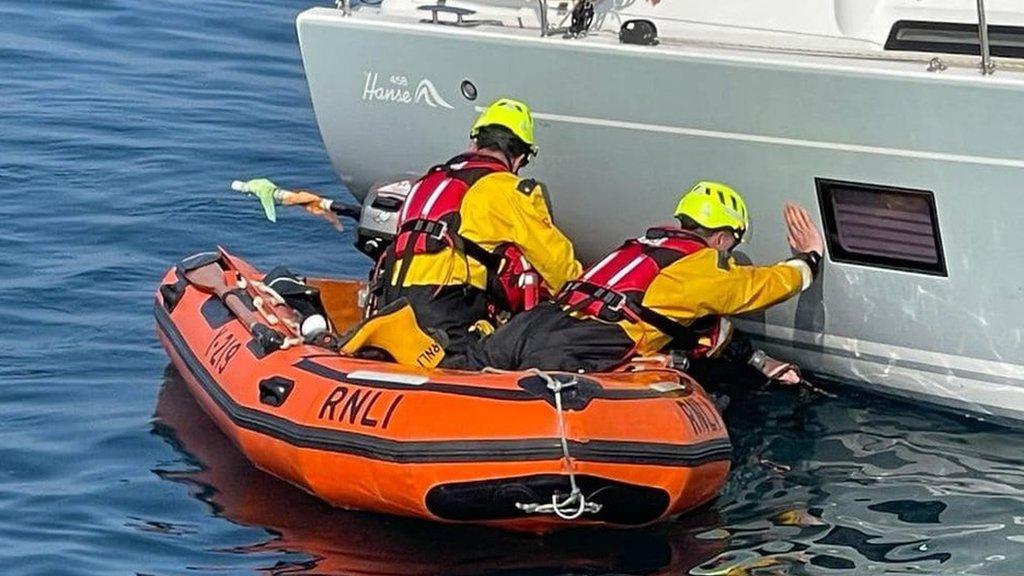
[(511, 114), (714, 205)]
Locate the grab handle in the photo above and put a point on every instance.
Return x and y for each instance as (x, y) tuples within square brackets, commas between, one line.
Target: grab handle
[(274, 391)]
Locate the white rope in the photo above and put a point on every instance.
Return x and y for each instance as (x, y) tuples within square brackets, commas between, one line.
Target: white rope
[(271, 318), (274, 295), (258, 302), (575, 504), (291, 341), (294, 326)]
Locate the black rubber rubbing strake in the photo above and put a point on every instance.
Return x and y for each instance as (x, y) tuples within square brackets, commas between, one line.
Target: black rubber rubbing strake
[(313, 367), (385, 449)]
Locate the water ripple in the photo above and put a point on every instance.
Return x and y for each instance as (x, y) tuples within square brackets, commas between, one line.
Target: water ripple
[(121, 125)]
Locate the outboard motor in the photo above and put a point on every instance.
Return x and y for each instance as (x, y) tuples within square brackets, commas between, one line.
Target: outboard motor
[(378, 222)]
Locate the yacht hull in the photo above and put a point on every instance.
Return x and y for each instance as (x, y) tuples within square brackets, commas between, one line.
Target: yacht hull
[(623, 130)]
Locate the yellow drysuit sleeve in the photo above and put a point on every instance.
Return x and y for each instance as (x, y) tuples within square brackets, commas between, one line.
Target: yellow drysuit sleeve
[(706, 283), (500, 208)]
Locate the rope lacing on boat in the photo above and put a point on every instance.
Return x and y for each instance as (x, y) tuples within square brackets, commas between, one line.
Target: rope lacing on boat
[(268, 314), (575, 504)]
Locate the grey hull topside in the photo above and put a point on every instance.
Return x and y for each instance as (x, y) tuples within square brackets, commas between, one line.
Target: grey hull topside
[(624, 130)]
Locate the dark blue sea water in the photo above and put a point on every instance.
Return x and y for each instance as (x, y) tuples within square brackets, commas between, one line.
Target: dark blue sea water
[(121, 124)]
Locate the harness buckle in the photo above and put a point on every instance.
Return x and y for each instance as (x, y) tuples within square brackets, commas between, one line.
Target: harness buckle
[(436, 229), (619, 304), (440, 230)]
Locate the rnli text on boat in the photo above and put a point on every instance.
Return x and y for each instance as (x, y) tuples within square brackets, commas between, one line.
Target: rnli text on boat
[(360, 406)]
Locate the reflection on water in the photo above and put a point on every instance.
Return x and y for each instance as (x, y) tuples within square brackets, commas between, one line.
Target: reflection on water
[(120, 125), (853, 483)]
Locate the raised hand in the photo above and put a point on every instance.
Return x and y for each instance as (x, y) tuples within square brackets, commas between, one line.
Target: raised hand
[(802, 234)]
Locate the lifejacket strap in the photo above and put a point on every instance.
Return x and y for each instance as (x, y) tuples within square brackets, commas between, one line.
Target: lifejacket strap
[(391, 291), (490, 260), (616, 306)]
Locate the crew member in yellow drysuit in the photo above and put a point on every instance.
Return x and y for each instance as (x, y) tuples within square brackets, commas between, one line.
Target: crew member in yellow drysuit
[(672, 287), (469, 230), (475, 242)]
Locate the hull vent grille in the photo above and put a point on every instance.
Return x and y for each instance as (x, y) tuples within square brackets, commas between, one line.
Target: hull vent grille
[(881, 226)]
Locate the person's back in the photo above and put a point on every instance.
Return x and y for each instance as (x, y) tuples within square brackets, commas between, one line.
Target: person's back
[(462, 226), (671, 287)]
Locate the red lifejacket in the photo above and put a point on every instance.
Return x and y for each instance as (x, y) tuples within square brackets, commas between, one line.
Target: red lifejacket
[(613, 289), (430, 216), (429, 222)]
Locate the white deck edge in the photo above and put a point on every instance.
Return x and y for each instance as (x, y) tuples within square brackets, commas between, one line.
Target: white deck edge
[(738, 55)]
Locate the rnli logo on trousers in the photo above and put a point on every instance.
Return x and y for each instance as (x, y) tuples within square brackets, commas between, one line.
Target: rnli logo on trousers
[(398, 89)]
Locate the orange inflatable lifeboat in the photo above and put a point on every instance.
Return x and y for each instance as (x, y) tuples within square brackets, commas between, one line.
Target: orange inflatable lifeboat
[(527, 451), (331, 541)]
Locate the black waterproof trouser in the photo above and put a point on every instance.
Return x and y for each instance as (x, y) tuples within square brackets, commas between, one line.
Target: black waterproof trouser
[(549, 339), (452, 310)]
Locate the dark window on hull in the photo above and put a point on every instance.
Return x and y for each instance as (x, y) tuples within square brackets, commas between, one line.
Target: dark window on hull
[(881, 226), (952, 38)]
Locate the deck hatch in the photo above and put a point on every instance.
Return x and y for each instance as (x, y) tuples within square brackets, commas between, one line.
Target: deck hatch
[(881, 226), (954, 38)]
